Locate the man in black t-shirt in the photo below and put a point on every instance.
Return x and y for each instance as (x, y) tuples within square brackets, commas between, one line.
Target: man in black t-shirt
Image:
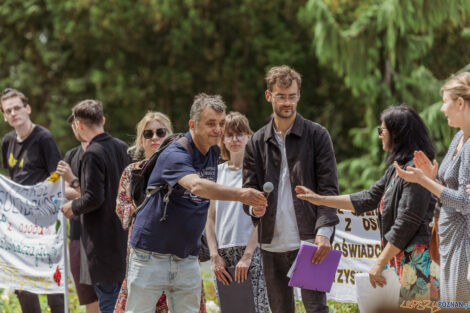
[(30, 154)]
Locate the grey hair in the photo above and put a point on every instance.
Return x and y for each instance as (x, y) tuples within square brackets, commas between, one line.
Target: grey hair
[(202, 101)]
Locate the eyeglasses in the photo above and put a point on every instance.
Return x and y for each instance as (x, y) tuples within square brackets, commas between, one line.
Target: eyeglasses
[(16, 108), (380, 130), (148, 133), (286, 98), (233, 136)]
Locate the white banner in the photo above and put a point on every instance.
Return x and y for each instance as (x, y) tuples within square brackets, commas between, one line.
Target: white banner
[(358, 237), (31, 236)]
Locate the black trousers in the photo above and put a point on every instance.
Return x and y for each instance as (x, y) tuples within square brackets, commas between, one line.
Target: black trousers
[(281, 296), (30, 302)]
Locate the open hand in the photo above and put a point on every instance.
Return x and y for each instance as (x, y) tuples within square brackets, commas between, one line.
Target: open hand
[(424, 164), (411, 174), (306, 194)]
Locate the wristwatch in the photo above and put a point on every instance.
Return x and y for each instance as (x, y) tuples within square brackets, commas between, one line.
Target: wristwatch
[(75, 183)]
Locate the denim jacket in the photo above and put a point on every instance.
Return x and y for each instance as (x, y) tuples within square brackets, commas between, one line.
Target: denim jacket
[(407, 209)]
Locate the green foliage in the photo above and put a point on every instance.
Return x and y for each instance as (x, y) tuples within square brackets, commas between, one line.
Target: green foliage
[(380, 50), (356, 57), (157, 55)]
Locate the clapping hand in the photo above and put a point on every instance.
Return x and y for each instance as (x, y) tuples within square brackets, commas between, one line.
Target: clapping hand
[(411, 174), (424, 164)]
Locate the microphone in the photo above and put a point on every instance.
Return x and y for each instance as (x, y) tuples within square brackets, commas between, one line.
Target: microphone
[(268, 187)]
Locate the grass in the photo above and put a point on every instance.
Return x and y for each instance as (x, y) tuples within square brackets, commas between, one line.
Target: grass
[(9, 302), (334, 307)]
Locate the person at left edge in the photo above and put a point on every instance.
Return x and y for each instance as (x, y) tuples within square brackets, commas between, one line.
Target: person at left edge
[(103, 238), (31, 155)]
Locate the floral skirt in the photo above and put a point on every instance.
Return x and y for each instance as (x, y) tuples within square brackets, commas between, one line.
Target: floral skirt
[(232, 256), (419, 276)]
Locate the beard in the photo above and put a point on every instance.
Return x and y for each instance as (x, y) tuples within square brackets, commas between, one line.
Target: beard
[(282, 114)]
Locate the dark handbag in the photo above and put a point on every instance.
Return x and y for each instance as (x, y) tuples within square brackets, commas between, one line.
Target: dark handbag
[(204, 254), (434, 244)]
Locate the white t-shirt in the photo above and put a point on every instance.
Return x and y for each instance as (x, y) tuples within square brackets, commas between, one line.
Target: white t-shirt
[(233, 227), (286, 233)]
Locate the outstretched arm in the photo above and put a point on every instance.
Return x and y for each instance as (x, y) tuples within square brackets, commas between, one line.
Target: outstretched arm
[(342, 202), (205, 188)]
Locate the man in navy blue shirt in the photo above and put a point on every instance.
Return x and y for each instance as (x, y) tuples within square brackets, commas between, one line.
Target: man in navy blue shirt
[(164, 252)]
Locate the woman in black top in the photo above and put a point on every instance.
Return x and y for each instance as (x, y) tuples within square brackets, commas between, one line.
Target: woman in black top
[(405, 209)]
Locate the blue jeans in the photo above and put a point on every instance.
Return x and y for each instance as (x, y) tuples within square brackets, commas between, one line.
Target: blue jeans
[(107, 296), (150, 273)]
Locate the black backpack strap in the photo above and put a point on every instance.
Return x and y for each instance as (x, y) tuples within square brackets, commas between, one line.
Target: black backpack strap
[(186, 145), (149, 193), (166, 199)]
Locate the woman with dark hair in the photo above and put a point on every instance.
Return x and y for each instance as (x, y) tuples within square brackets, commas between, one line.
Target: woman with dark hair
[(405, 209), (448, 184)]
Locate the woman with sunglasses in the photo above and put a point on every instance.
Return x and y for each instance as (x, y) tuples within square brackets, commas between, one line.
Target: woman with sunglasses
[(231, 237), (404, 209), (152, 130), (448, 184)]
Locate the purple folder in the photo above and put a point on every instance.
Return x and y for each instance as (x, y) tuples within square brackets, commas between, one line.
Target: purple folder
[(308, 275)]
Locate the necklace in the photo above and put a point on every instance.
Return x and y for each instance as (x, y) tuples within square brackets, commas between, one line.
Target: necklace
[(30, 130), (459, 146)]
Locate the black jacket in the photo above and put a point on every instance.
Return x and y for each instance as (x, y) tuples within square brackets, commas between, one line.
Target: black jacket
[(407, 209), (104, 239), (311, 162)]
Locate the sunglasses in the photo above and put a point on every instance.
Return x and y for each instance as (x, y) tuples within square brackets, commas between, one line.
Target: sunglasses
[(380, 130), (148, 133)]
